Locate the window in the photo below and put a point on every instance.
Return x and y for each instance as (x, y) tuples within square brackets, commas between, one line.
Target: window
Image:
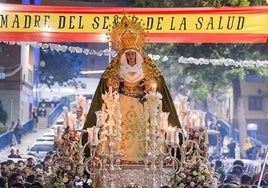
[(255, 103), (45, 148), (30, 76), (2, 74), (213, 139), (254, 78)]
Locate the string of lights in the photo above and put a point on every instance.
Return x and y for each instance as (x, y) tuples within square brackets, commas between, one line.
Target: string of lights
[(163, 58)]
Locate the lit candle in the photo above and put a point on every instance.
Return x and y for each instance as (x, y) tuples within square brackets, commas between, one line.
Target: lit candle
[(99, 116), (70, 121), (104, 116), (95, 135), (90, 135), (164, 120), (193, 119), (176, 135), (170, 135)]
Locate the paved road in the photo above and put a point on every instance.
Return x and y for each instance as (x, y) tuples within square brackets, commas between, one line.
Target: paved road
[(27, 140)]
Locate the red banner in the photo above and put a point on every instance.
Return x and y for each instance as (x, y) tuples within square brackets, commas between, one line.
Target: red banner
[(163, 25)]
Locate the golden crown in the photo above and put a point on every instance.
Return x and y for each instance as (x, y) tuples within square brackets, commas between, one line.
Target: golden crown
[(127, 33)]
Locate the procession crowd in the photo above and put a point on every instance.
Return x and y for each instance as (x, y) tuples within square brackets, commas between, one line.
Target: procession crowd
[(18, 172), (239, 177)]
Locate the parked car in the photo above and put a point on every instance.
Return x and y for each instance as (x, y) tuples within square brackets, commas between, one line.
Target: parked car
[(40, 149), (214, 140), (49, 134), (42, 139), (59, 123)]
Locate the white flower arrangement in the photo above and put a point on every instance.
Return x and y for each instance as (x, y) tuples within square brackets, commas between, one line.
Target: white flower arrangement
[(195, 175)]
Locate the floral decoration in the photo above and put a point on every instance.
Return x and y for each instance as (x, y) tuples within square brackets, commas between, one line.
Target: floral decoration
[(198, 135), (196, 174)]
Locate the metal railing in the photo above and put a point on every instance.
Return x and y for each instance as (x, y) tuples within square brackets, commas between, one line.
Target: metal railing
[(8, 138), (54, 114)]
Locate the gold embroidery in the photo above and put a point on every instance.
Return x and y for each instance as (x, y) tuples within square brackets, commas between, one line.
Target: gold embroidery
[(128, 33)]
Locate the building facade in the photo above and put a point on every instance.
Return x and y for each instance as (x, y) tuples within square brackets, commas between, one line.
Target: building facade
[(17, 80), (254, 91)]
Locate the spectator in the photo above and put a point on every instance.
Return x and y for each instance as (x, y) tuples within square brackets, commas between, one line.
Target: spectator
[(239, 163), (236, 173), (257, 145), (16, 180), (18, 132), (78, 183), (30, 162), (5, 171), (265, 176), (40, 179), (42, 111), (262, 153), (262, 184), (222, 132), (87, 182), (30, 179), (27, 171), (3, 182), (228, 179), (38, 169), (46, 162), (13, 153), (248, 148), (231, 146), (35, 116), (20, 166), (212, 125), (18, 185), (245, 179), (256, 177), (219, 170), (50, 153), (11, 165), (36, 185)]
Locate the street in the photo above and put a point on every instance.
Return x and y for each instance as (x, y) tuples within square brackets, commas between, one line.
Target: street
[(27, 140)]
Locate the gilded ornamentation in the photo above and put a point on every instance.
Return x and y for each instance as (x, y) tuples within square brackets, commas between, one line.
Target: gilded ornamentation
[(127, 33)]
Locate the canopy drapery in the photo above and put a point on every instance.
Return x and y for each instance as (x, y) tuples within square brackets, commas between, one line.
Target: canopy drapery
[(42, 23)]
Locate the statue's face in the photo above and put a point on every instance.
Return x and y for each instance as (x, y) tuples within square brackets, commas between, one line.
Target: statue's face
[(131, 57)]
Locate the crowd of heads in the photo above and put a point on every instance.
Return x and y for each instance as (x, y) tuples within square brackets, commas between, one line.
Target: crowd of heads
[(25, 173), (239, 177)]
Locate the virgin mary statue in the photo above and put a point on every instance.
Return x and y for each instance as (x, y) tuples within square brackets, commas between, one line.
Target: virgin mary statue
[(131, 73)]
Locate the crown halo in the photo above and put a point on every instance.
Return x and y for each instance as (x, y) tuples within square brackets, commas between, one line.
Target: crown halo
[(127, 33)]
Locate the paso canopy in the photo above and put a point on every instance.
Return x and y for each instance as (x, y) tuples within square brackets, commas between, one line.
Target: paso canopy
[(39, 23)]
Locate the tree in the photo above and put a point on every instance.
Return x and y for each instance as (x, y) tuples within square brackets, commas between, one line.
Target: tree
[(59, 67), (222, 75)]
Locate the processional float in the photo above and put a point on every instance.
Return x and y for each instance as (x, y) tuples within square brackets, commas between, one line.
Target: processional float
[(173, 156)]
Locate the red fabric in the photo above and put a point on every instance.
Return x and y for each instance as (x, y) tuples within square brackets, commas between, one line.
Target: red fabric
[(151, 37), (119, 10)]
